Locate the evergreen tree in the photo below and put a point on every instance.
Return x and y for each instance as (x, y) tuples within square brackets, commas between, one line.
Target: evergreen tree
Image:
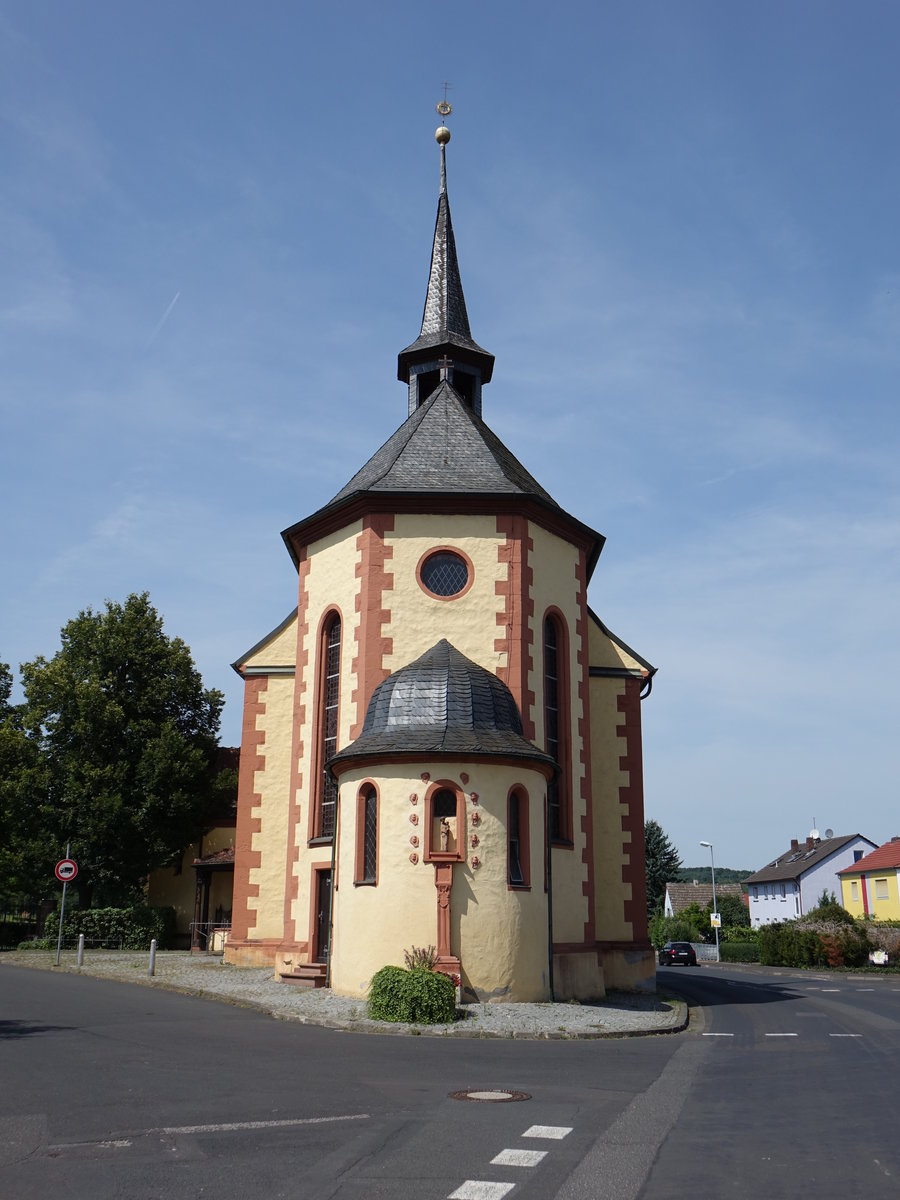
[(663, 861)]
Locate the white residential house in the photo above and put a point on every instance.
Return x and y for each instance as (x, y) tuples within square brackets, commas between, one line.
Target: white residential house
[(793, 883)]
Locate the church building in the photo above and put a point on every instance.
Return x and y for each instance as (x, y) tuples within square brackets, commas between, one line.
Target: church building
[(442, 742)]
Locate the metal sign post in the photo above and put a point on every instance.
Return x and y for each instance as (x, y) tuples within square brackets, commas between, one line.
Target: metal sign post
[(66, 869)]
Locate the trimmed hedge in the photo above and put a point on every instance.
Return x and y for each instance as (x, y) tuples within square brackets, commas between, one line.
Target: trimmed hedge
[(128, 928), (418, 997), (735, 952)]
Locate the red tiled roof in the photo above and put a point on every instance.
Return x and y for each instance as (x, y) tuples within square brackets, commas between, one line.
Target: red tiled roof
[(885, 856), (219, 858)]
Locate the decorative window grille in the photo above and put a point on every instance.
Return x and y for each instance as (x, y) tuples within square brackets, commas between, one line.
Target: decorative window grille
[(329, 724), (551, 721), (445, 573), (370, 835), (516, 875)]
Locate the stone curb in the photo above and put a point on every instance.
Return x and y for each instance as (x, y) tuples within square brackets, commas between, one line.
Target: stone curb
[(675, 1022)]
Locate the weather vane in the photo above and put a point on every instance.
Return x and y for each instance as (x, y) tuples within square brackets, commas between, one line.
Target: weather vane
[(444, 109)]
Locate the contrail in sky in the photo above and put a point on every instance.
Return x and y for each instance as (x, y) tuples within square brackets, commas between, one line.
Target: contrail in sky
[(163, 320)]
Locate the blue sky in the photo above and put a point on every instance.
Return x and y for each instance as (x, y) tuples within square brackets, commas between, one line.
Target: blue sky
[(677, 228)]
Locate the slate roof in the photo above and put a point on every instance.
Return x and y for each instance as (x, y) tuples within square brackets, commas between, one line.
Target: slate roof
[(794, 863), (683, 894), (445, 321), (442, 703), (444, 446), (885, 858)]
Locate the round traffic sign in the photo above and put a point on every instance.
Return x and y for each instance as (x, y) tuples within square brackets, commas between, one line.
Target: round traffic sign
[(66, 870)]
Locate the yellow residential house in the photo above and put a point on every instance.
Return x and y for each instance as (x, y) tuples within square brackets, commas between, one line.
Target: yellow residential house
[(871, 887), (442, 741)]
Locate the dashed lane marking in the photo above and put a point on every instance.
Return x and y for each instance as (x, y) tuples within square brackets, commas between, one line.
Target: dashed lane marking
[(718, 1035), (481, 1189), (852, 1035), (518, 1158), (556, 1132), (781, 1035), (831, 989)]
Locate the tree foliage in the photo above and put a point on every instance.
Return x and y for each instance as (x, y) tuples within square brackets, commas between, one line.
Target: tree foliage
[(125, 734), (25, 858), (662, 862)]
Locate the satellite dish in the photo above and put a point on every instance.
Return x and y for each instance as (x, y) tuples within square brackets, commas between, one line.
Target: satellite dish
[(814, 834), (829, 833)]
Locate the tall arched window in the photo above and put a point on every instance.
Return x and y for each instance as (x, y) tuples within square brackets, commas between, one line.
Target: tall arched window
[(556, 726), (518, 852), (366, 835), (329, 694)]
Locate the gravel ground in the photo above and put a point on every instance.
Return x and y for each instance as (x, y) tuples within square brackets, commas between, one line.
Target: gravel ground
[(622, 1014)]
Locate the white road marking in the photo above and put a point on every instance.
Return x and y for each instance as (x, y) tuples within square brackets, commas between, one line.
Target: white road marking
[(864, 989), (557, 1132), (845, 1035), (233, 1126), (781, 1035), (480, 1189), (831, 989), (518, 1158), (718, 1035)]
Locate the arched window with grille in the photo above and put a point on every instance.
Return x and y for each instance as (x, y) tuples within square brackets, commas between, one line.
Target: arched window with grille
[(366, 866), (329, 695), (518, 852), (556, 726)]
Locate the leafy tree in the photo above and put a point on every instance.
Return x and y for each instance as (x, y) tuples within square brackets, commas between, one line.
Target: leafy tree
[(662, 861), (732, 910), (26, 860), (127, 735)]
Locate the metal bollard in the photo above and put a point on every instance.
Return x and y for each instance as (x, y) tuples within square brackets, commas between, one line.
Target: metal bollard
[(152, 971), (81, 949)]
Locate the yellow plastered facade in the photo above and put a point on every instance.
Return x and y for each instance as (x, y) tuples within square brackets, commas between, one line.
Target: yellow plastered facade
[(330, 585), (272, 785), (880, 907), (177, 888), (554, 564), (499, 933), (470, 622)]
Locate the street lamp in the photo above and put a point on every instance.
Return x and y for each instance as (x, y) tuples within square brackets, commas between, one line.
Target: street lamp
[(712, 859)]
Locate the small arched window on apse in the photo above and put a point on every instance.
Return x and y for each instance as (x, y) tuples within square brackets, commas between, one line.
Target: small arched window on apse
[(518, 849), (366, 866), (328, 695), (444, 822), (556, 726)]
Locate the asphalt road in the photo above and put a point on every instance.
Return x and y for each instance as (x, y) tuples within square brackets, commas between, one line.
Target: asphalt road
[(782, 1085)]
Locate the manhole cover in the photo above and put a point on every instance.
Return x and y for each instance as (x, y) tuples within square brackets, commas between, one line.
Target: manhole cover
[(490, 1095)]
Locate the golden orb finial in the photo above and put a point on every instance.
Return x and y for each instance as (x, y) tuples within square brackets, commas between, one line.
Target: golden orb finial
[(442, 133)]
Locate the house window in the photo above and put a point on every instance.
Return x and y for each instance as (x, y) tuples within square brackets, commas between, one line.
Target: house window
[(857, 855), (329, 692), (445, 574), (881, 889), (783, 891), (854, 890), (755, 891), (366, 836), (518, 854), (556, 726)]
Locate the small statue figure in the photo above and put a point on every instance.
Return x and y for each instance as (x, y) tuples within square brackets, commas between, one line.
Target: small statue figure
[(445, 835)]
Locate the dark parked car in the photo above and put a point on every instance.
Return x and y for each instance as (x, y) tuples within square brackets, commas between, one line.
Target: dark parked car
[(678, 952)]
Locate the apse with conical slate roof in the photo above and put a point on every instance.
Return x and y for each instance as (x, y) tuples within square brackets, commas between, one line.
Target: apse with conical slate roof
[(445, 348)]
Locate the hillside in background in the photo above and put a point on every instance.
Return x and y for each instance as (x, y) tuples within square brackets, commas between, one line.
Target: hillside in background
[(704, 875)]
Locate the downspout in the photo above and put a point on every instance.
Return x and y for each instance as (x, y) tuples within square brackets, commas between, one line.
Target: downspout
[(549, 894)]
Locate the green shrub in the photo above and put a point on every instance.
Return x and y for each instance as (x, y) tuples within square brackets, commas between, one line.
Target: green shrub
[(672, 929), (385, 1002), (128, 928), (739, 951), (418, 996), (738, 933)]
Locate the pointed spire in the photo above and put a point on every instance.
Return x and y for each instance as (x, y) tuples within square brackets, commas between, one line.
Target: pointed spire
[(445, 343)]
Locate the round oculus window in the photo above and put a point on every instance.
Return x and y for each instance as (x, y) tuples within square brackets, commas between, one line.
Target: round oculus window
[(445, 573)]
